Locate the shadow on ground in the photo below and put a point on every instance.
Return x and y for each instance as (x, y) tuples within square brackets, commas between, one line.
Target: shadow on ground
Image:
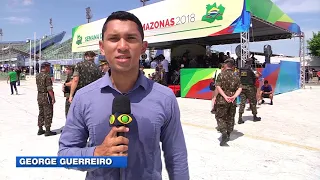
[(58, 131), (249, 118), (234, 135)]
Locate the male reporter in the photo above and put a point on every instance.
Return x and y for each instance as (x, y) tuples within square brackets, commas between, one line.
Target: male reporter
[(154, 107)]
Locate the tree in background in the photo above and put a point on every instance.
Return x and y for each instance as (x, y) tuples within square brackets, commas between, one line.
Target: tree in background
[(314, 44)]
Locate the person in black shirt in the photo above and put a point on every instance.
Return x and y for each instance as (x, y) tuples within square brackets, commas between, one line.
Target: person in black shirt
[(18, 71)]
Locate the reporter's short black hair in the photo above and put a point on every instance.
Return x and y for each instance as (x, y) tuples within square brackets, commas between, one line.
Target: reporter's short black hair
[(123, 16)]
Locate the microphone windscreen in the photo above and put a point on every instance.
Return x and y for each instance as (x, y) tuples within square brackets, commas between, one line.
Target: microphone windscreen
[(121, 104)]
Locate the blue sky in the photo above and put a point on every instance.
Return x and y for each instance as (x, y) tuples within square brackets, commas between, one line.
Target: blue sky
[(20, 18)]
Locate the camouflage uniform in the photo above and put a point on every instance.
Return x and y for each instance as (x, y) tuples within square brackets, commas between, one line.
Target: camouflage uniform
[(249, 92), (225, 112), (67, 94), (88, 72), (159, 76), (44, 84)]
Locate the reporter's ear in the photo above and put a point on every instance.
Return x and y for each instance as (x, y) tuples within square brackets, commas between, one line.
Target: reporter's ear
[(144, 47)]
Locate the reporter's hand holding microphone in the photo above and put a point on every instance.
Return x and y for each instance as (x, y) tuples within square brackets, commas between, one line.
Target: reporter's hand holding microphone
[(112, 144), (116, 143)]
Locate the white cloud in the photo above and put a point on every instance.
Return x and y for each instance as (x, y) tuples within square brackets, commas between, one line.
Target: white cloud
[(18, 20), (27, 2), (298, 6), (16, 9), (20, 2), (309, 33)]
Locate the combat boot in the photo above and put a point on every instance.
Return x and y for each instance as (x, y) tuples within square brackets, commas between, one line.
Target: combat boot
[(228, 136), (49, 133), (256, 118), (240, 121), (224, 139), (40, 131)]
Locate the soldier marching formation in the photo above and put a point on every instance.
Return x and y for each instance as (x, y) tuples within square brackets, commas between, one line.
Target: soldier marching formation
[(228, 87)]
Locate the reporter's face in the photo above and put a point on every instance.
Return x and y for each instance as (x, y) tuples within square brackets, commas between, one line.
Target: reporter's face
[(122, 45)]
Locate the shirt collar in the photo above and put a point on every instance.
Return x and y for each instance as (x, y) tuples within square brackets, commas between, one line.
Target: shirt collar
[(141, 81)]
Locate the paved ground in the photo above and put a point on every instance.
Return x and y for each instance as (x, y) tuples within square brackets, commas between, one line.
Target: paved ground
[(284, 145)]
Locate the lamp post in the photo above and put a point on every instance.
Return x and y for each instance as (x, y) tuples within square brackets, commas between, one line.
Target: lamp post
[(1, 34), (88, 14), (35, 54), (29, 41), (10, 55), (51, 26), (39, 60)]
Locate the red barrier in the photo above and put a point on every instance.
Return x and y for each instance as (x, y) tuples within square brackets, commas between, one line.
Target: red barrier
[(175, 89)]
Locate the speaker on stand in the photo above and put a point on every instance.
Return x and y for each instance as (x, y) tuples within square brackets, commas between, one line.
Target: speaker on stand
[(267, 50), (238, 53)]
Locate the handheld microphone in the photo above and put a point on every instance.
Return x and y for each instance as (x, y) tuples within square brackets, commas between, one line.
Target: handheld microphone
[(121, 113), (121, 116)]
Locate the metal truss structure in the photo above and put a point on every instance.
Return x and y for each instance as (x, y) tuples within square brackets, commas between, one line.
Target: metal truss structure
[(302, 60), (244, 44)]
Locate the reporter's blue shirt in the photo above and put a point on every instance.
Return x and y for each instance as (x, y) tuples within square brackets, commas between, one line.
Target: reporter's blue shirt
[(157, 115)]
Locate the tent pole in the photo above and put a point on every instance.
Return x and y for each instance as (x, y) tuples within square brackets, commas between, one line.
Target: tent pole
[(244, 43), (302, 61)]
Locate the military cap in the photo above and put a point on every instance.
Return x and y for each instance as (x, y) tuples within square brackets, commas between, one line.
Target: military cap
[(44, 64), (103, 62), (90, 54), (231, 61)]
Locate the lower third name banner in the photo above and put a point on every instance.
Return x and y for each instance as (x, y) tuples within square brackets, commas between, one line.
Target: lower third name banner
[(71, 162)]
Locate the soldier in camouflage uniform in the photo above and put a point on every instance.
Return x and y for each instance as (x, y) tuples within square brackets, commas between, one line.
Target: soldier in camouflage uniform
[(45, 100), (162, 71), (66, 88), (249, 91), (85, 72), (229, 87), (158, 75)]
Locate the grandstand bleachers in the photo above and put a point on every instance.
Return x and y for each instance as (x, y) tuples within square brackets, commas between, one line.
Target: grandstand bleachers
[(52, 50), (11, 50), (61, 51)]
